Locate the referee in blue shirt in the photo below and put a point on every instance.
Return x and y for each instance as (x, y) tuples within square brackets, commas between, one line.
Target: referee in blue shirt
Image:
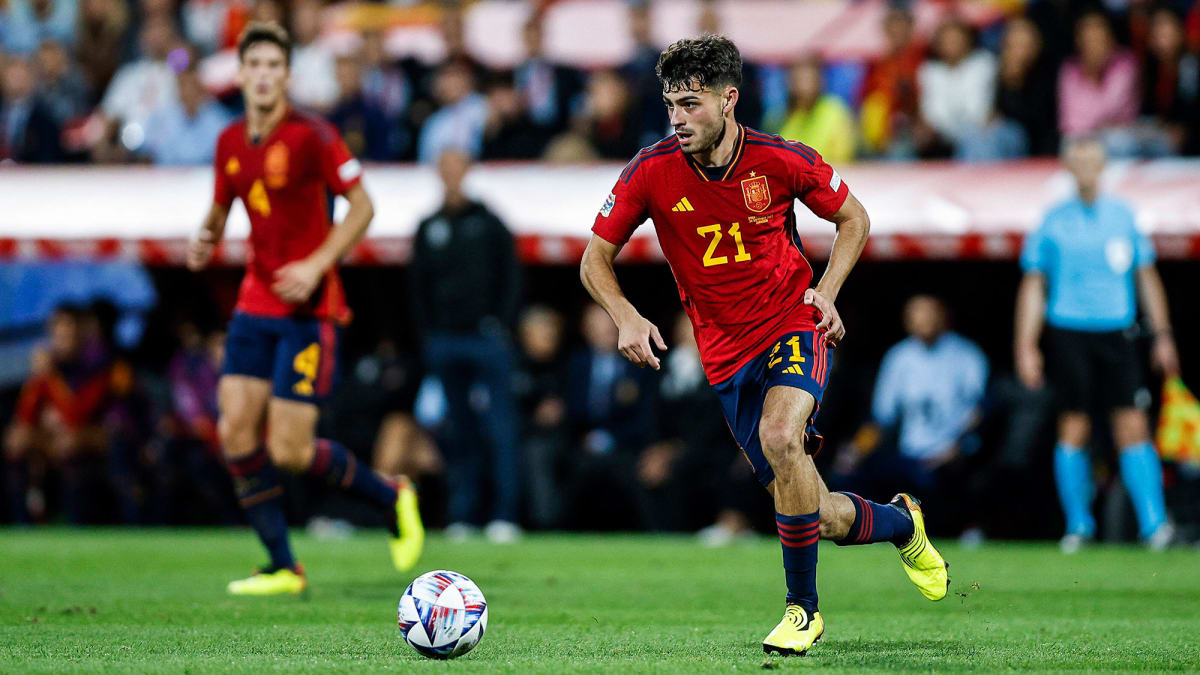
[(1085, 268)]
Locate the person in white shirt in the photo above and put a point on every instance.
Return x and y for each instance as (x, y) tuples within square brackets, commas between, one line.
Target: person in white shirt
[(957, 88)]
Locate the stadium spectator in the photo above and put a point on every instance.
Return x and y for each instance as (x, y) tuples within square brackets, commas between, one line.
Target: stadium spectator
[(607, 120), (1171, 83), (140, 87), (28, 23), (57, 425), (546, 88), (61, 85), (1025, 88), (923, 427), (1085, 268), (184, 132), (509, 132), (1097, 90), (189, 469), (957, 87), (540, 389), (639, 72), (459, 122), (888, 99), (101, 41), (363, 124), (213, 25), (816, 118), (465, 283), (387, 87), (28, 130), (610, 408), (314, 83)]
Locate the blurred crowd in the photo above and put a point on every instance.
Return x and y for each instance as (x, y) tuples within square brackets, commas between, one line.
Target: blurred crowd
[(119, 81)]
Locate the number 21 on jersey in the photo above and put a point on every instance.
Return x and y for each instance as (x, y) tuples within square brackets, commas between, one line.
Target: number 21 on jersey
[(710, 259)]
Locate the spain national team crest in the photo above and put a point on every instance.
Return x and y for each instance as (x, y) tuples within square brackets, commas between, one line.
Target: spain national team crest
[(757, 193), (275, 166)]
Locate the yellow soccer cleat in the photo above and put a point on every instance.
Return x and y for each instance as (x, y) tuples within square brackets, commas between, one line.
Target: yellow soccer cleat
[(281, 581), (924, 565), (408, 539), (799, 630)]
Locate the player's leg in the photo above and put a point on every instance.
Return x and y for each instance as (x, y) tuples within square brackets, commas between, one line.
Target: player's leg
[(797, 494), (1142, 475), (305, 369), (18, 440), (1070, 369)]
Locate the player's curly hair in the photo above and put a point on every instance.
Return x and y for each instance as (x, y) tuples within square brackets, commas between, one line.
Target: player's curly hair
[(265, 31), (707, 61)]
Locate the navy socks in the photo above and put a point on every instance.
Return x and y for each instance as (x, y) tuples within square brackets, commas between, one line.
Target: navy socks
[(877, 522), (799, 535), (338, 466), (260, 495)]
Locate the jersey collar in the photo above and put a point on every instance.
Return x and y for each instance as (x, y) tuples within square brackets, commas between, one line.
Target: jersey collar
[(733, 162)]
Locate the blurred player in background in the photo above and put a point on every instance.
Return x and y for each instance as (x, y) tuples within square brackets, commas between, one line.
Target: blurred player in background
[(1090, 260), (281, 350), (721, 197)]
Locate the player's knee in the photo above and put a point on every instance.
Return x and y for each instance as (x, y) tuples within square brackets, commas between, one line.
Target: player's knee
[(1074, 428), (1130, 427), (289, 452), (237, 434), (783, 448)]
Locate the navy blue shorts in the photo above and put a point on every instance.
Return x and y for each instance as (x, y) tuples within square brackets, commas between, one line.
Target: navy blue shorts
[(298, 356), (799, 359)]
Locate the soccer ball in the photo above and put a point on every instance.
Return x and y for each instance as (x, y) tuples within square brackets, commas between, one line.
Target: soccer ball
[(442, 614)]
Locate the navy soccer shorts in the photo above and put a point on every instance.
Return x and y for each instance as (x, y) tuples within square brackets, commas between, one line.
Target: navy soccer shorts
[(298, 356), (799, 359)]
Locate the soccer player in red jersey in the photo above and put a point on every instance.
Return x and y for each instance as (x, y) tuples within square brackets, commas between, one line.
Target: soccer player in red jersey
[(281, 349), (721, 197)]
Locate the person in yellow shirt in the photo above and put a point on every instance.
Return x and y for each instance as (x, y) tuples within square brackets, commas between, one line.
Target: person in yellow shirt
[(815, 118)]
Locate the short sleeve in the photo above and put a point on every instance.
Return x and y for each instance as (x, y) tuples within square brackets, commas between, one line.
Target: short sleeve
[(339, 169), (625, 207), (223, 191), (1143, 247), (814, 182), (1035, 250)]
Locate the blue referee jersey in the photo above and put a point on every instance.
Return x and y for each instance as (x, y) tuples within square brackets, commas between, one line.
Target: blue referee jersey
[(1089, 254)]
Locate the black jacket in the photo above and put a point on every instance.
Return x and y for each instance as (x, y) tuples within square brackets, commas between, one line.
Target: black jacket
[(465, 273)]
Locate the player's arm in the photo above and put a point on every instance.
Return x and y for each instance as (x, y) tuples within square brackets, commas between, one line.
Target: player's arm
[(600, 279), (295, 281), (1154, 303), (1031, 312), (204, 242), (853, 226)]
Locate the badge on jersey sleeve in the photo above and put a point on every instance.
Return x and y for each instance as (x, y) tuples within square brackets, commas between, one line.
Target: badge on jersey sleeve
[(756, 193)]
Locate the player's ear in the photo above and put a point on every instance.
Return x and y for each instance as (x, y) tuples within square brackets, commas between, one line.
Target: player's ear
[(731, 99)]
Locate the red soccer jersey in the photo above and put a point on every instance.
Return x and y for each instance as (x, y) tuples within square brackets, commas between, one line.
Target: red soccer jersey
[(283, 180), (731, 242)]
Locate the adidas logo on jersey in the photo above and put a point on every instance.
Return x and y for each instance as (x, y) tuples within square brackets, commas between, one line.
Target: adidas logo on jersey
[(793, 370), (683, 205)]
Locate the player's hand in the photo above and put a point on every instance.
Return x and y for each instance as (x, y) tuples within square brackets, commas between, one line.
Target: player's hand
[(295, 281), (1165, 356), (199, 253), (831, 323), (633, 339), (1029, 367)]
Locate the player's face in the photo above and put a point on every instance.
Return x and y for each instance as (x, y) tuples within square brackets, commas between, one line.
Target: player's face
[(263, 75), (698, 116)]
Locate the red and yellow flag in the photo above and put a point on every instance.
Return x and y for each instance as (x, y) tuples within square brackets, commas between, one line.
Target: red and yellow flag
[(1178, 437)]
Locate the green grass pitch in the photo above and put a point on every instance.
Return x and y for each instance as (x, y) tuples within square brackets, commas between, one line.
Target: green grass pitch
[(92, 600)]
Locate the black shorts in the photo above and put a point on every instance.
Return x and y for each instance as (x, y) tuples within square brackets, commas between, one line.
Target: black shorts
[(1088, 369)]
